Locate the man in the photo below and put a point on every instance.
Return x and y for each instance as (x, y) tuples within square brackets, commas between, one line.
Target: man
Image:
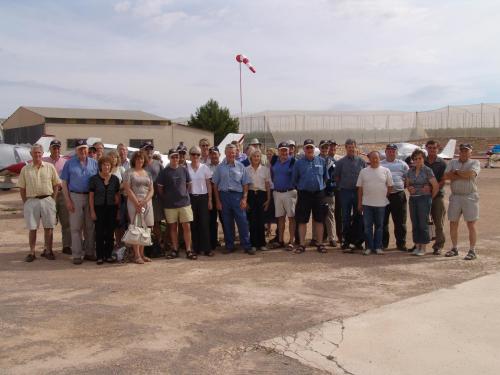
[(239, 155), (464, 198), (398, 206), (438, 211), (374, 185), (309, 176), (62, 211), (123, 154), (174, 185), (231, 182), (214, 227), (75, 178), (182, 150), (99, 150), (39, 183), (154, 168), (329, 227), (254, 142), (204, 144), (285, 195), (337, 214), (346, 175)]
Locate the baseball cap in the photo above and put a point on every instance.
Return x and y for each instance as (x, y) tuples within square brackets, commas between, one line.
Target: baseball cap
[(147, 144), (332, 142), (214, 149), (324, 143), (308, 142), (392, 146), (81, 143), (283, 145), (468, 146), (291, 142), (173, 151), (55, 142), (182, 149)]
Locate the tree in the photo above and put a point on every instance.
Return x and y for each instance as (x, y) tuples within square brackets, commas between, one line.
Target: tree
[(215, 119)]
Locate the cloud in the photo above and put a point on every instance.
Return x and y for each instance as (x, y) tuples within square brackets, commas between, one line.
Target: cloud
[(122, 7)]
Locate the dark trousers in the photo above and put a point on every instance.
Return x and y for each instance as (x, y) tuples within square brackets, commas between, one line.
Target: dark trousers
[(104, 231), (338, 215), (214, 225), (352, 220), (438, 212), (420, 209), (397, 208), (200, 226), (256, 217)]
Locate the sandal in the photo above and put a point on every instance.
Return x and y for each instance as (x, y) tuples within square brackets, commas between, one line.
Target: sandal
[(299, 249), (321, 249), (452, 253), (146, 259), (191, 255), (138, 260), (30, 258), (290, 247), (172, 255), (471, 255)]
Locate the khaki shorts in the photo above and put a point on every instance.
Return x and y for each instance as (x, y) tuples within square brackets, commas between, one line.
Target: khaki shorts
[(284, 203), (36, 209), (179, 215), (468, 205)]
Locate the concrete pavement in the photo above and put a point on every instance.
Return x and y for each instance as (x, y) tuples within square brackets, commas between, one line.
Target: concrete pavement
[(446, 332)]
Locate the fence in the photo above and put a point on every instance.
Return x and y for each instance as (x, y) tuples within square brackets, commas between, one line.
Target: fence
[(481, 120)]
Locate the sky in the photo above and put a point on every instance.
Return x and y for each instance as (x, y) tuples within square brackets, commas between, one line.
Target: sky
[(169, 57)]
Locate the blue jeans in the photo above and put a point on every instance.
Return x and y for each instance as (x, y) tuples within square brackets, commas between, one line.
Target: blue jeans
[(373, 216), (352, 220), (420, 209), (232, 212)]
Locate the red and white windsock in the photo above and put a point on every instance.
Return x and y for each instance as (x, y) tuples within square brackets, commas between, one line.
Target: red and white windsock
[(243, 59)]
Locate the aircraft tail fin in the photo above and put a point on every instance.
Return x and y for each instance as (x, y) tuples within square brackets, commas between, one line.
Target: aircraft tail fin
[(449, 150)]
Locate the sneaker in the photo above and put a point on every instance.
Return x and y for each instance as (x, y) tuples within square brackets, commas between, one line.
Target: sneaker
[(262, 248), (379, 251), (100, 262), (345, 246), (367, 252), (333, 243), (359, 246), (250, 251), (471, 255), (77, 261), (415, 250), (30, 258), (420, 253)]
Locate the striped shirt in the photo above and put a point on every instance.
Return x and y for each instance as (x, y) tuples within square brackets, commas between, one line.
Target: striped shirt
[(464, 186)]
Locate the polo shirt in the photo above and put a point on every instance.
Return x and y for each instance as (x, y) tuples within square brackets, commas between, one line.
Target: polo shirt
[(38, 181), (398, 169), (175, 191), (347, 170), (438, 167), (231, 177), (282, 174), (77, 174), (463, 186), (259, 177), (309, 174)]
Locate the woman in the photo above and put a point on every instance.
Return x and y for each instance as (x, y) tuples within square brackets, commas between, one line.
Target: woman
[(104, 201), (118, 170), (259, 198), (201, 203), (422, 186), (138, 185)]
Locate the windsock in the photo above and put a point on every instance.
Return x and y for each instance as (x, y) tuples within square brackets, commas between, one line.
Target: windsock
[(243, 59)]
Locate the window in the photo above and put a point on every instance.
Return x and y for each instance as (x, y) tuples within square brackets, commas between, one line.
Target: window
[(119, 122), (100, 121), (71, 143), (52, 120), (81, 121), (137, 122), (138, 142), (154, 122)]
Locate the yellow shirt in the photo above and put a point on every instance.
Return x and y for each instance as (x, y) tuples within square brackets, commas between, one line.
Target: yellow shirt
[(38, 181)]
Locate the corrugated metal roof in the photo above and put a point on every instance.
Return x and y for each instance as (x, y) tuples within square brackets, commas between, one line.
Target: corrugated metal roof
[(87, 113)]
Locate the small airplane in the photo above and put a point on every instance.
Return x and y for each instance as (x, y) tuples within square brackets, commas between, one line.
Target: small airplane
[(406, 149)]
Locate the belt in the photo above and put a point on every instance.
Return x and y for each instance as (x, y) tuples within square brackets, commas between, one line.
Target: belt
[(198, 195), (233, 191), (42, 196), (79, 192), (257, 190), (283, 191)]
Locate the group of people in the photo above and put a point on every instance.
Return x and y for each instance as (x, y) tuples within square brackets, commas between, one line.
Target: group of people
[(351, 201)]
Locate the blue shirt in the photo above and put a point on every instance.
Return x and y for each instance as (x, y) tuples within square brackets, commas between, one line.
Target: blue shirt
[(231, 177), (347, 170), (310, 174), (77, 176), (398, 169), (282, 174)]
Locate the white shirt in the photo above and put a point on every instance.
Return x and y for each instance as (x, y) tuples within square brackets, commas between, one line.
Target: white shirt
[(198, 178), (259, 177), (374, 182)]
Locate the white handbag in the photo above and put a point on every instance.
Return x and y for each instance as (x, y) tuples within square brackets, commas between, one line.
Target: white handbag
[(137, 233)]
